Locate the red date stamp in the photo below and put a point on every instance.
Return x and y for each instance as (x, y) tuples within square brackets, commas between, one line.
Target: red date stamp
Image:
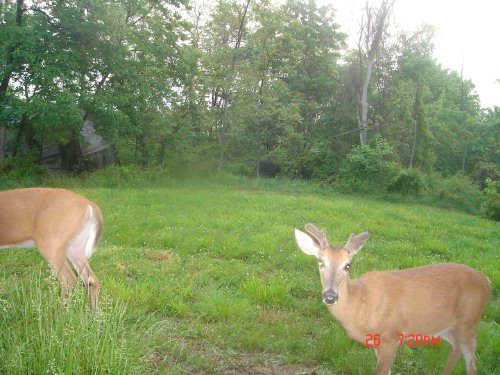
[(409, 339)]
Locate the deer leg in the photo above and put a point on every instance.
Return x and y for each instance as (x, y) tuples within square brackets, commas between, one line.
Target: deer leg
[(80, 262), (385, 358), (64, 273), (92, 283), (469, 353), (451, 337)]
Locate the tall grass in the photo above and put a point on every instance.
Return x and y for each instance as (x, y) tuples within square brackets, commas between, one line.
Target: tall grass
[(41, 334)]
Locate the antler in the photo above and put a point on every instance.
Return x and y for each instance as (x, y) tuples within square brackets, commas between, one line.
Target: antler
[(319, 235)]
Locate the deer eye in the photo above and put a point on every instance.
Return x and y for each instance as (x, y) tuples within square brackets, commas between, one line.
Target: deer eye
[(347, 266)]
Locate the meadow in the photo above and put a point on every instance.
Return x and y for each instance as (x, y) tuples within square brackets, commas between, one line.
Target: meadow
[(204, 277)]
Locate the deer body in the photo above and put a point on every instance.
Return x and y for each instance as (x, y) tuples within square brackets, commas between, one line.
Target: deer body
[(61, 224), (445, 300)]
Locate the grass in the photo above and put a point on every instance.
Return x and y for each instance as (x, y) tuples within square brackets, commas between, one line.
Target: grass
[(205, 277)]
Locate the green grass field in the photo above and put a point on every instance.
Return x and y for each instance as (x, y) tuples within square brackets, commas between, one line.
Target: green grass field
[(205, 277)]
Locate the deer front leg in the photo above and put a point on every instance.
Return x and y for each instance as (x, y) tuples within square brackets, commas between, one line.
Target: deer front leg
[(385, 354)]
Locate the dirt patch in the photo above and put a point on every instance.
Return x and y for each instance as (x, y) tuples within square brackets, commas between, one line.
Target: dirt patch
[(160, 255), (193, 357)]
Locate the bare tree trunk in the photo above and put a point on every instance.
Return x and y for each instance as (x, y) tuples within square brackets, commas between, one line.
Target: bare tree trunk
[(222, 134), (416, 115), (71, 155), (3, 141), (464, 117), (363, 105), (371, 35)]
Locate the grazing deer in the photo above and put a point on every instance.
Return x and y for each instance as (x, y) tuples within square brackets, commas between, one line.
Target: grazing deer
[(61, 224), (446, 300)]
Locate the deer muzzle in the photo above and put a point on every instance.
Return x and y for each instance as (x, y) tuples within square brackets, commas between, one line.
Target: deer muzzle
[(330, 297)]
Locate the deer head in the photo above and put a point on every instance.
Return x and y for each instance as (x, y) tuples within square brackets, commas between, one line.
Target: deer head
[(334, 262)]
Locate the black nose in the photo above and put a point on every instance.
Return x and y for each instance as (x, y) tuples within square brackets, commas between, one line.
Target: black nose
[(330, 297)]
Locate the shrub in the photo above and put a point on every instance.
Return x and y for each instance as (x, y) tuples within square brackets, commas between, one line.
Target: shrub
[(16, 171), (366, 167), (490, 208), (483, 171), (267, 168), (454, 192), (407, 181)]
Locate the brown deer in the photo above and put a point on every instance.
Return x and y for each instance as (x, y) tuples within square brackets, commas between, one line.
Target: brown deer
[(381, 309), (61, 224)]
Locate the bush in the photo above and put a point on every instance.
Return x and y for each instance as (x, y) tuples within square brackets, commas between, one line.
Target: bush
[(20, 171), (366, 168), (454, 192), (490, 208), (483, 171), (266, 168), (406, 182)]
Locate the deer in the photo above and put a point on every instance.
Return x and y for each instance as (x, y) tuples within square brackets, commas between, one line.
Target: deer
[(445, 300), (61, 224)]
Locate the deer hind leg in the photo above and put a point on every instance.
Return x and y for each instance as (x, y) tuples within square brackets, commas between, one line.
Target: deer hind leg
[(451, 337), (385, 359), (57, 260), (79, 250), (76, 254), (468, 348)]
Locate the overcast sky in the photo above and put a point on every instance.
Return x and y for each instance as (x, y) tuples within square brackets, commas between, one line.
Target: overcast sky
[(468, 28)]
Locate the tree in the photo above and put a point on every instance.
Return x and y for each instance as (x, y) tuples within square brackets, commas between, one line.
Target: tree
[(114, 60), (371, 38), (226, 31)]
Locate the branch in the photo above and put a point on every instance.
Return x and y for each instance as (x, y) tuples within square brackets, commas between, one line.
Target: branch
[(141, 17), (50, 19)]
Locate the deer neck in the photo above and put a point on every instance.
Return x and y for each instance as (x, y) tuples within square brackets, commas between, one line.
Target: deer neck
[(347, 311)]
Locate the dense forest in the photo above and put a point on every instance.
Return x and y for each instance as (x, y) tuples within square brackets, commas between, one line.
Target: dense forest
[(253, 88)]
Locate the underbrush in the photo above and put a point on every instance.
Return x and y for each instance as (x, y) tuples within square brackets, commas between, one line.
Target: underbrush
[(20, 171)]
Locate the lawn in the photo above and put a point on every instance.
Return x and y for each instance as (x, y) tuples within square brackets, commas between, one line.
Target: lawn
[(205, 277)]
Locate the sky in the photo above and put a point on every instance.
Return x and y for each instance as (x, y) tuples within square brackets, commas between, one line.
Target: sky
[(468, 33)]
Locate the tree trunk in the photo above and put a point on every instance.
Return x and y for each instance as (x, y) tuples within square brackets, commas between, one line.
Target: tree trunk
[(363, 105), (464, 118), (71, 155), (3, 141), (372, 36), (4, 84), (226, 91), (416, 115), (222, 134)]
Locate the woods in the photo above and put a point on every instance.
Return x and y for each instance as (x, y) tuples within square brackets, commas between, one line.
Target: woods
[(228, 85)]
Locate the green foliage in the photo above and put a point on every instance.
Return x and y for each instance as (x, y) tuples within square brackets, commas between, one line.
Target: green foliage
[(18, 171), (406, 182), (115, 60), (485, 170), (457, 192), (366, 168), (490, 208)]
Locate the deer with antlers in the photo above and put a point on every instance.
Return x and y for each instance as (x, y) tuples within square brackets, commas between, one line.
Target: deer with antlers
[(444, 300), (61, 224)]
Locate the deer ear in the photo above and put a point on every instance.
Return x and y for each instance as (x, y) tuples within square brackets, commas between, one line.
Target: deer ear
[(355, 243), (306, 243)]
